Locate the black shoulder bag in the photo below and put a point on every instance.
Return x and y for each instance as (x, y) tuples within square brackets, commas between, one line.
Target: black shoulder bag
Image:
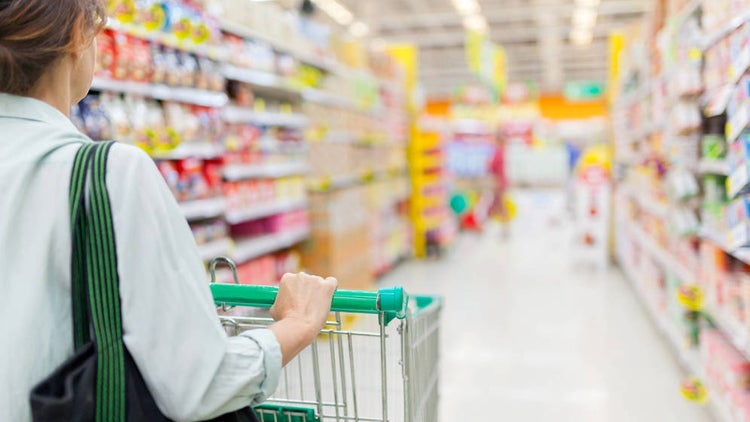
[(101, 382)]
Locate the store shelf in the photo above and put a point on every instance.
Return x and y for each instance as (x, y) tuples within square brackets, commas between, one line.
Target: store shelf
[(658, 209), (722, 242), (267, 82), (234, 172), (716, 104), (737, 181), (638, 95), (162, 92), (280, 46), (203, 208), (715, 36), (328, 183), (234, 114), (738, 123), (687, 357), (720, 167), (326, 98), (733, 330), (211, 250), (665, 258), (267, 210), (169, 40), (255, 247), (203, 151)]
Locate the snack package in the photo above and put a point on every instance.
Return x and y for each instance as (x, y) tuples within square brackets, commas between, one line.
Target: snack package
[(188, 70), (106, 54), (122, 129), (170, 174), (160, 65)]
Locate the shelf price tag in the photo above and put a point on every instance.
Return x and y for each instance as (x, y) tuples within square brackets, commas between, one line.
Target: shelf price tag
[(694, 390), (690, 297)]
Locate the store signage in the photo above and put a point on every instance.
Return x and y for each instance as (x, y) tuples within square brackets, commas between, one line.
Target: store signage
[(583, 90)]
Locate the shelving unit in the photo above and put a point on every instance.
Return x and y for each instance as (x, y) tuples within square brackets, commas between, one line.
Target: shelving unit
[(162, 92), (261, 211), (233, 114), (263, 171), (203, 208), (211, 250), (261, 141), (707, 258), (247, 249)]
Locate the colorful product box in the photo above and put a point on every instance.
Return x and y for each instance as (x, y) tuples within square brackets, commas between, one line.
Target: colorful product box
[(738, 214), (739, 164), (739, 51), (739, 97)]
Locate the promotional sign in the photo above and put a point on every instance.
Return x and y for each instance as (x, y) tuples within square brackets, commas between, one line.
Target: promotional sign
[(487, 60)]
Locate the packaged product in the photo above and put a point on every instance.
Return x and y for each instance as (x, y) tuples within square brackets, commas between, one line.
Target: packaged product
[(713, 147), (739, 159), (738, 213), (106, 54)]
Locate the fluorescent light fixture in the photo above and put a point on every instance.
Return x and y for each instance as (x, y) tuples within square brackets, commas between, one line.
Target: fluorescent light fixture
[(359, 29), (584, 17), (336, 11), (581, 36), (466, 7), (475, 23), (587, 3)]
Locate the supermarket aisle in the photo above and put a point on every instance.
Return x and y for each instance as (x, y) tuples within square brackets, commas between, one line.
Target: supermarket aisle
[(528, 337)]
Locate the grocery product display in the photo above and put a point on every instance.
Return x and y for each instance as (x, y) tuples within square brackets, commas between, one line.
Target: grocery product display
[(259, 129), (682, 220)]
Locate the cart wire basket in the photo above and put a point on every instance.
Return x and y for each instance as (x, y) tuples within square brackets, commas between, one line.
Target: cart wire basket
[(376, 359)]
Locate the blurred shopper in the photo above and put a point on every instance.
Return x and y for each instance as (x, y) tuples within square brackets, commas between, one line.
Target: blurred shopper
[(498, 209), (191, 367)]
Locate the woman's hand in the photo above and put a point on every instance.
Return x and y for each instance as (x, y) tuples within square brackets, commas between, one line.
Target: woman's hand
[(301, 309)]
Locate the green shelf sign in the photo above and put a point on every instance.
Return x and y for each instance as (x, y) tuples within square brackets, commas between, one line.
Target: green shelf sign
[(583, 90)]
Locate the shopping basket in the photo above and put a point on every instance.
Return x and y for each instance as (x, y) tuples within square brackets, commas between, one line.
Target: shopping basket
[(376, 359)]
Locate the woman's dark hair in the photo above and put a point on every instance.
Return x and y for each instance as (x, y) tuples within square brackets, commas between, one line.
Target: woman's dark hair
[(34, 34)]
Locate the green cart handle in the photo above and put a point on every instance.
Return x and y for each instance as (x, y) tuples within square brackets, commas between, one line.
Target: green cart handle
[(392, 301), (389, 300)]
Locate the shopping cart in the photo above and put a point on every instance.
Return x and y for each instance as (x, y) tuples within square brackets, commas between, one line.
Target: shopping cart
[(363, 366)]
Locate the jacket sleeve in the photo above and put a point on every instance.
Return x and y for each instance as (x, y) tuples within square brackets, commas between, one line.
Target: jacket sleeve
[(192, 368)]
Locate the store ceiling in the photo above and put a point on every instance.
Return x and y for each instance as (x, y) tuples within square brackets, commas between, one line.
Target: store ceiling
[(535, 34)]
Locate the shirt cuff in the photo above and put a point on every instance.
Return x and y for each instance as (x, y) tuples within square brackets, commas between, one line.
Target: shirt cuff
[(267, 342)]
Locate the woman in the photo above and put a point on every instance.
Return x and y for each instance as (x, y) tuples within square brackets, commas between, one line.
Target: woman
[(500, 184), (193, 370)]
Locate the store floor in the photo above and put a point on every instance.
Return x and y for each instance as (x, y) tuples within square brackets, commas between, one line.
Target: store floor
[(530, 333)]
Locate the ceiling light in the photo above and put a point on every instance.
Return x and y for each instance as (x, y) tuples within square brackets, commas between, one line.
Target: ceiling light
[(336, 11), (475, 23), (584, 17), (581, 36), (466, 7), (359, 29)]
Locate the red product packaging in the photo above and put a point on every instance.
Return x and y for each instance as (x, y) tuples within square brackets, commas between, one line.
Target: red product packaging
[(232, 196), (212, 175), (141, 66), (106, 54), (123, 56)]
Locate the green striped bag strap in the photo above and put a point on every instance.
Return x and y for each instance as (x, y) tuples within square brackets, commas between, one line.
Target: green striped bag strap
[(98, 282)]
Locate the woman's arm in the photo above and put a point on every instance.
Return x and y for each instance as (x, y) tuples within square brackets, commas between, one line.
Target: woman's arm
[(193, 370)]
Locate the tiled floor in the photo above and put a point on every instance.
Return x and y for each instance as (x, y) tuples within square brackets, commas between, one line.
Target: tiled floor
[(529, 335)]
